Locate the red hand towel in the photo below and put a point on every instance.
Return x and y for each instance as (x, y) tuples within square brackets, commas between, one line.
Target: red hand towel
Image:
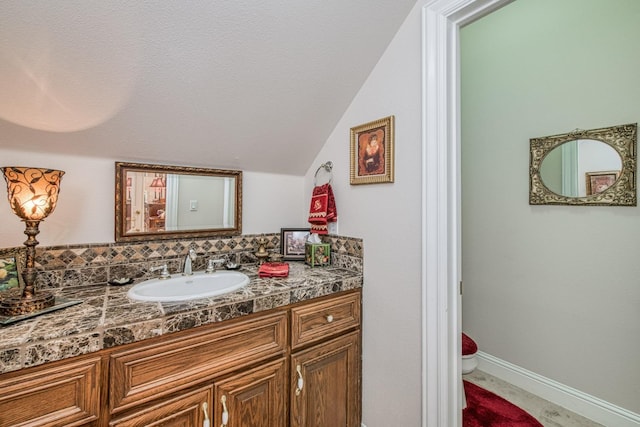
[(323, 209), (274, 269)]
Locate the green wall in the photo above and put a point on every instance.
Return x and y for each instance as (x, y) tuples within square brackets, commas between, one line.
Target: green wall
[(553, 289)]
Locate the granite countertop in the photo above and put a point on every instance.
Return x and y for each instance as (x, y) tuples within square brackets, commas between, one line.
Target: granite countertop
[(107, 317)]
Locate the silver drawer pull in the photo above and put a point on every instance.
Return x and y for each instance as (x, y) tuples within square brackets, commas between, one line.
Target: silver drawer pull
[(225, 412), (205, 409), (300, 383), (329, 318)]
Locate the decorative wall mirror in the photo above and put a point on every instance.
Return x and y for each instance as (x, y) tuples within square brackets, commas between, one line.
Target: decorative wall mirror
[(168, 202), (584, 167)]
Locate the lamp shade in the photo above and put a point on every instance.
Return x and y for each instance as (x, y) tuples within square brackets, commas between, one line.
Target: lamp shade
[(157, 182), (32, 192)]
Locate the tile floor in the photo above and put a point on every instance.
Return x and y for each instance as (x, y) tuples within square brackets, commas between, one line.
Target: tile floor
[(548, 413)]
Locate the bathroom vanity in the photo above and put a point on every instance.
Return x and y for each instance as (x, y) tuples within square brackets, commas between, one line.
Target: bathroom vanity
[(282, 352)]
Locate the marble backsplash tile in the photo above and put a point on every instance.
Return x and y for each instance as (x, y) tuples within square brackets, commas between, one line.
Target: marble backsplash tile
[(95, 264)]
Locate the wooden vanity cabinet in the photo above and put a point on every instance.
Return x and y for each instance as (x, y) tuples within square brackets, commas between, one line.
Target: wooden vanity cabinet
[(295, 366), (261, 376), (325, 363), (59, 394), (148, 381), (146, 371), (254, 397)]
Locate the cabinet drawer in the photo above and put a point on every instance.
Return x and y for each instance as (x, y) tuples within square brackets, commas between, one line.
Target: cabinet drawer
[(315, 321), (186, 409), (148, 371), (62, 395)]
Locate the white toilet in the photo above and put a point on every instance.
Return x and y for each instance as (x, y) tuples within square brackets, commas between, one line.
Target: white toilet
[(469, 350)]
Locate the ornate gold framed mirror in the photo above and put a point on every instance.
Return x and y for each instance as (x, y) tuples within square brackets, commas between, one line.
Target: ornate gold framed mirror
[(154, 202), (584, 168)]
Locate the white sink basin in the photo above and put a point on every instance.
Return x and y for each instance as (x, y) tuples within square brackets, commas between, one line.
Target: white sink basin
[(184, 288)]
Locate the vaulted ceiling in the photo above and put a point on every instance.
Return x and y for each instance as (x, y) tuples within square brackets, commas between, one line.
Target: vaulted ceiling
[(254, 85)]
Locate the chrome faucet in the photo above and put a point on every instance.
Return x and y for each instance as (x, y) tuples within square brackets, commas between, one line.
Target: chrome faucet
[(164, 273), (191, 256), (213, 263)]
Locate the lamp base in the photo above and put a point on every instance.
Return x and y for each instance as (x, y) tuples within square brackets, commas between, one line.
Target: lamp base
[(16, 304)]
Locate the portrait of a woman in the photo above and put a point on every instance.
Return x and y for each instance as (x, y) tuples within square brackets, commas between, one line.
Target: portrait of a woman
[(371, 152)]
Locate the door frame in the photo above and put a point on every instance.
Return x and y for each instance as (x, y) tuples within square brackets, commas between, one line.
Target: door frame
[(441, 242)]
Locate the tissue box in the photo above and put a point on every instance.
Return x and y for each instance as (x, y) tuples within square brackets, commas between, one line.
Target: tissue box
[(316, 254)]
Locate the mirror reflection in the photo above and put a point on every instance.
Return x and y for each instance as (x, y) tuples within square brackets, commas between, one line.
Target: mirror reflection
[(580, 168), (154, 201), (595, 167)]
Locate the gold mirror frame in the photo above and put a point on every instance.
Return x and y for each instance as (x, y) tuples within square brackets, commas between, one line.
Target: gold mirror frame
[(121, 235), (621, 138)]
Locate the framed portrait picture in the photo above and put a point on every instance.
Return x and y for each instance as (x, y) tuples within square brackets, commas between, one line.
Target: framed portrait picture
[(292, 242), (372, 152), (597, 182)]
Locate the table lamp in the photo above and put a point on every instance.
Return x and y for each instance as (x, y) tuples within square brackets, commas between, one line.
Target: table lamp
[(32, 194)]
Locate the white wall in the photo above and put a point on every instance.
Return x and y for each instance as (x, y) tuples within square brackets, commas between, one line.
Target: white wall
[(553, 289), (387, 217), (84, 213)]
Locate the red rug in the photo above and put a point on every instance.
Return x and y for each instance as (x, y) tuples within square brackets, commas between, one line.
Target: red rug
[(485, 409)]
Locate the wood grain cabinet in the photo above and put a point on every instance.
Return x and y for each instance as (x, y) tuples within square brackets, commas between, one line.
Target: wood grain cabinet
[(325, 384), (60, 394), (186, 409), (146, 371), (293, 366), (325, 371), (253, 398)]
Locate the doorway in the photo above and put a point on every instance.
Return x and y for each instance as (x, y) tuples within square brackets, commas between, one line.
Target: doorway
[(441, 321)]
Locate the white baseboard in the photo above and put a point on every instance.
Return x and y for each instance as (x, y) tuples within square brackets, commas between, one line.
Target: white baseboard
[(574, 400)]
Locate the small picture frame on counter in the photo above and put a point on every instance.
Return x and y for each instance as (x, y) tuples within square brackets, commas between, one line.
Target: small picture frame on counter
[(292, 241)]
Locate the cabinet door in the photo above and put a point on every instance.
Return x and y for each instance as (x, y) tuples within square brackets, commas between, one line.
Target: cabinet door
[(254, 398), (185, 410), (325, 384), (59, 395)]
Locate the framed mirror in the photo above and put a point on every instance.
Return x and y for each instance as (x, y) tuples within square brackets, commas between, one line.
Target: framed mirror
[(584, 168), (155, 202)]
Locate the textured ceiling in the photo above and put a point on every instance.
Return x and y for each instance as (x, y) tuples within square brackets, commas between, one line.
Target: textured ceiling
[(255, 85)]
